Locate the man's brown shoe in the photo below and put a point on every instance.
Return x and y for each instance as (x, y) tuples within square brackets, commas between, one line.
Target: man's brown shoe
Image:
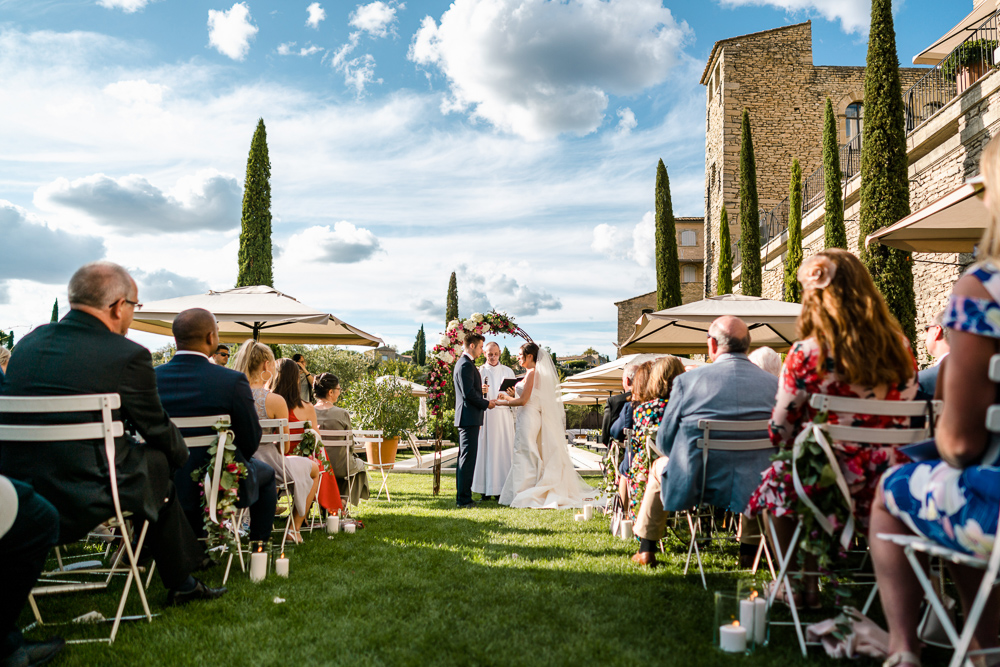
[(645, 558)]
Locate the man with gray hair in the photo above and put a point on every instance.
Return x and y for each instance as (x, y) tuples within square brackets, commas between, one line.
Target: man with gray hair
[(86, 352), (937, 340), (614, 406)]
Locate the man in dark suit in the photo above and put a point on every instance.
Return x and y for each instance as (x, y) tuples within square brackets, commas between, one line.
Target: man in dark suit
[(191, 386), (87, 353), (469, 408), (614, 406)]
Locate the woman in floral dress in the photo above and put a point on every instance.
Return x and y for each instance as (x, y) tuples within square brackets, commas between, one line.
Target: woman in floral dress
[(953, 500), (850, 345)]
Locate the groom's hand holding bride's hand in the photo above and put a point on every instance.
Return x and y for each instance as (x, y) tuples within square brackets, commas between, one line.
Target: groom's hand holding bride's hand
[(493, 404)]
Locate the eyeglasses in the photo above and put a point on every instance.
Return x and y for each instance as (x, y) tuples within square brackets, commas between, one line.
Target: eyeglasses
[(134, 304), (224, 354), (928, 327)]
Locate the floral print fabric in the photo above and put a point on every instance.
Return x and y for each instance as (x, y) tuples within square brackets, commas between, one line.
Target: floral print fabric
[(645, 417), (805, 373)]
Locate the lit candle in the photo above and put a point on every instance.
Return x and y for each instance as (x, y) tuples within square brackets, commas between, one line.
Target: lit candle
[(258, 565), (588, 512), (333, 523), (746, 614), (281, 566), (626, 530), (733, 638), (349, 528)]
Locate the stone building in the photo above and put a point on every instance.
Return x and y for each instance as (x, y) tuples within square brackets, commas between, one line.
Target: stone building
[(631, 310), (949, 121), (771, 73)]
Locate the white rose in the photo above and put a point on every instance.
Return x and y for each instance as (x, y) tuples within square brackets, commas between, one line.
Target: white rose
[(447, 357), (486, 327), (477, 317), (469, 325), (444, 341), (454, 324)]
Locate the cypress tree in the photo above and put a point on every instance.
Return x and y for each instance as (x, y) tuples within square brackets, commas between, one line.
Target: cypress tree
[(506, 359), (420, 348), (451, 310), (55, 311), (793, 257), (725, 285), (751, 280), (668, 270), (833, 214), (885, 188), (255, 260)]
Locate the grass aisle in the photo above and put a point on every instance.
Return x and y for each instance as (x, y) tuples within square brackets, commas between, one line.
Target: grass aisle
[(428, 584)]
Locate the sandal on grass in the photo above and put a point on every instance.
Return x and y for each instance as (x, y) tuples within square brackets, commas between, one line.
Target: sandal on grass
[(902, 657), (294, 536)]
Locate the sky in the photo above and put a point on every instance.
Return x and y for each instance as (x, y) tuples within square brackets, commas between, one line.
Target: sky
[(514, 142)]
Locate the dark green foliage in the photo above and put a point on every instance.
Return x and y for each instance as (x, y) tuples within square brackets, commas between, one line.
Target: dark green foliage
[(420, 348), (751, 280), (885, 188), (725, 285), (255, 260), (7, 340), (55, 311), (507, 360), (793, 257), (833, 215), (276, 350), (668, 269), (969, 54), (451, 308)]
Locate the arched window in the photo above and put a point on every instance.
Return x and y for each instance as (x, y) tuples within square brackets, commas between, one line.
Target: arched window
[(855, 119), (689, 237), (690, 274)]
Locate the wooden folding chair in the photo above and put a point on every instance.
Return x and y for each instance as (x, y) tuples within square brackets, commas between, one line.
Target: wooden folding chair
[(913, 544), (838, 433), (105, 430), (374, 439)]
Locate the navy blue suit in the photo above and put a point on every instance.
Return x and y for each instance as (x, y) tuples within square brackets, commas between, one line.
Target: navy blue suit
[(927, 379), (191, 386), (470, 407)]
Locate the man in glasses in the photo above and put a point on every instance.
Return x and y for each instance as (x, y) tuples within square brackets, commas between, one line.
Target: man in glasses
[(936, 341), (221, 355)]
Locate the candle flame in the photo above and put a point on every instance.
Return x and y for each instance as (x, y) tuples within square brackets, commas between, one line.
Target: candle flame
[(753, 595), (736, 624), (282, 554), (259, 549)]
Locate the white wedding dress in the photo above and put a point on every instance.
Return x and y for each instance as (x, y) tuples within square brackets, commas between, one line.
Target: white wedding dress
[(542, 475)]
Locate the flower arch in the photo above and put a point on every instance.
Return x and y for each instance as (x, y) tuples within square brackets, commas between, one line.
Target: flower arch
[(449, 348)]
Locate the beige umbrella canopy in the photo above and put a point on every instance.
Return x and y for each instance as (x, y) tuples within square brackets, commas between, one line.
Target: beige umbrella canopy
[(417, 390), (608, 377), (953, 223), (684, 329), (583, 399), (259, 312)]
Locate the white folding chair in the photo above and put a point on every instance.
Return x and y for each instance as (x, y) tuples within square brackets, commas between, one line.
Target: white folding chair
[(707, 444), (372, 440), (333, 440), (839, 433), (912, 545), (275, 434), (105, 430)]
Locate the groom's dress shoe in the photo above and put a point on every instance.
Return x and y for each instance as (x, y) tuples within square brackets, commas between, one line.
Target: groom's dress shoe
[(34, 653), (645, 558), (467, 506), (199, 592)]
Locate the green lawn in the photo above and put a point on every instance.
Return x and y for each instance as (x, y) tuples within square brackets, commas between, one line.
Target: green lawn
[(426, 583)]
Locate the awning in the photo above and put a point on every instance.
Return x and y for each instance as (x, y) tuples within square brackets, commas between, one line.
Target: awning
[(684, 329), (578, 399), (940, 49), (953, 223)]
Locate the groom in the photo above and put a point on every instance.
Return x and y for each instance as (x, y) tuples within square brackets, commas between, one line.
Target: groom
[(469, 408)]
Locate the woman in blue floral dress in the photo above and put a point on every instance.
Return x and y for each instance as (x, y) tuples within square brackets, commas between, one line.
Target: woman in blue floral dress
[(954, 500)]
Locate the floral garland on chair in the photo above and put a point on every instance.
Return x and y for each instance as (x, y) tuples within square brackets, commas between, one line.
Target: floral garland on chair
[(449, 349), (306, 448), (217, 534)]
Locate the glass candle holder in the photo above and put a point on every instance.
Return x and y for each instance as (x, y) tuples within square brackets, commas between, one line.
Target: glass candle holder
[(729, 635), (753, 611)]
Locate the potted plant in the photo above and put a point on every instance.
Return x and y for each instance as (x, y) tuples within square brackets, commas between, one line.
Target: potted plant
[(386, 407), (969, 62)]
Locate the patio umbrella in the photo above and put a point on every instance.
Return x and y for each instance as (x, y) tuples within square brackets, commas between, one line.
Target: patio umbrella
[(258, 312), (610, 374), (582, 399), (953, 223), (684, 329)]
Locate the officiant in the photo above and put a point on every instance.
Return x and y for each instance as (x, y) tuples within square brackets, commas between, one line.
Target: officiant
[(496, 437)]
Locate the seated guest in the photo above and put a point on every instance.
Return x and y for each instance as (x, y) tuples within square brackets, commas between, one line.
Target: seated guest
[(305, 379), (29, 527), (730, 388), (626, 421), (849, 345), (191, 386), (4, 360), (937, 339), (953, 500), (768, 359), (333, 418), (255, 360), (86, 352), (221, 355), (614, 406)]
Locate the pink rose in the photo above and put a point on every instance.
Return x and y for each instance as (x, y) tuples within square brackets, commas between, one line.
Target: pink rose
[(816, 272)]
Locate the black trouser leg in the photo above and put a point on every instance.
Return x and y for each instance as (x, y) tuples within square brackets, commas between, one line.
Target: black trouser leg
[(22, 556), (468, 447), (262, 511), (170, 539)]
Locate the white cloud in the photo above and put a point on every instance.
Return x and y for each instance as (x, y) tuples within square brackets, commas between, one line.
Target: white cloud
[(230, 31), (854, 15), (626, 121), (376, 18), (36, 251), (540, 68), (614, 242), (344, 244), (481, 288), (287, 49), (132, 205), (138, 92), (164, 284), (127, 6), (316, 14)]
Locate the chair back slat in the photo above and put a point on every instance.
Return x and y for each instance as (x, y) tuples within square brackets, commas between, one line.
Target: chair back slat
[(993, 419), (876, 436), (707, 443), (995, 368), (199, 422), (736, 445), (733, 426), (197, 441), (867, 406), (38, 404), (59, 432)]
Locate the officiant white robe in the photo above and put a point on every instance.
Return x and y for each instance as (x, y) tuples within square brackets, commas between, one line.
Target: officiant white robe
[(496, 437)]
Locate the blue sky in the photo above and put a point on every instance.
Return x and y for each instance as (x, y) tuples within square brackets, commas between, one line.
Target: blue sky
[(512, 141)]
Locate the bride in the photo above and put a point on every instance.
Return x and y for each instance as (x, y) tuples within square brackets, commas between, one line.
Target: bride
[(541, 473)]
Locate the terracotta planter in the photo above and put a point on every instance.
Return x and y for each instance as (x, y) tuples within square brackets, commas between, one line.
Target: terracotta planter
[(384, 453), (969, 75)]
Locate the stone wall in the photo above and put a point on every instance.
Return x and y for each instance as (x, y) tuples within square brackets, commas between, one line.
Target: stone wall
[(630, 310)]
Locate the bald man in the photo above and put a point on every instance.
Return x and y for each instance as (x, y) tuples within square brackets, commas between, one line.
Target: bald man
[(730, 388), (191, 386)]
